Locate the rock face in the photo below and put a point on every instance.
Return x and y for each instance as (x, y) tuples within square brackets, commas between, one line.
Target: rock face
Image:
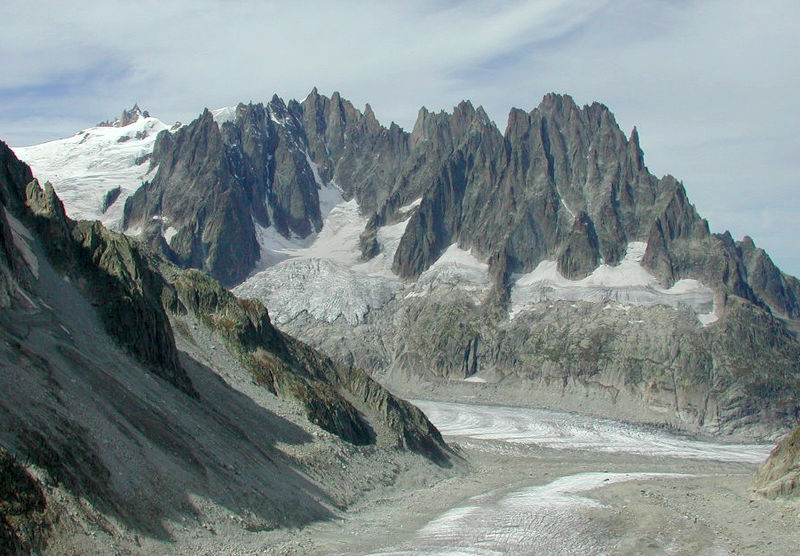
[(194, 193), (130, 387), (780, 474)]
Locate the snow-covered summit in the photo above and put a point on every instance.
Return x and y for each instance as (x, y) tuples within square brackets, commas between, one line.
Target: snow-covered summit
[(96, 169)]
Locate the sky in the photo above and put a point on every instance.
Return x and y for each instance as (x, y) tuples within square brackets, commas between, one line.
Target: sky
[(712, 85)]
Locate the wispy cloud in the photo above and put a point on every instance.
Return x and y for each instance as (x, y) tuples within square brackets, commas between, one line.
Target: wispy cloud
[(711, 84)]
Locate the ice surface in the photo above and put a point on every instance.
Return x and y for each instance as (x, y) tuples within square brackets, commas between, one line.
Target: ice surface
[(568, 431), (628, 283), (542, 519), (323, 288), (549, 518), (84, 167), (455, 267), (324, 274)]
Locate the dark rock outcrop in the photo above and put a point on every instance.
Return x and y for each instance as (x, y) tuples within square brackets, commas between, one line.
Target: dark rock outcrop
[(195, 192), (580, 254), (779, 291), (23, 518), (110, 198), (126, 292)]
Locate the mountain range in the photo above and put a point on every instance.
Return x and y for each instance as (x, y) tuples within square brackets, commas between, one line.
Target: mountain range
[(542, 265)]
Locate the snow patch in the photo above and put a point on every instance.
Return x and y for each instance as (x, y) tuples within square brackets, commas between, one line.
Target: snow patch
[(169, 233), (412, 205), (627, 283), (707, 319), (225, 114), (314, 170), (456, 267)]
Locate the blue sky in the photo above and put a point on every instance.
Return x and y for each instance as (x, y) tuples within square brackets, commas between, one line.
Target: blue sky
[(711, 84)]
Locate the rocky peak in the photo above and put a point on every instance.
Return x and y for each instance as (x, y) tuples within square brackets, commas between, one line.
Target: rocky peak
[(12, 172), (444, 132), (277, 108), (635, 153), (371, 121), (555, 103), (778, 290), (127, 118)]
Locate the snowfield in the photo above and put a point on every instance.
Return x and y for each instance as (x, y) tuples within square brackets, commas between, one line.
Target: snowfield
[(340, 284), (628, 283), (85, 167)]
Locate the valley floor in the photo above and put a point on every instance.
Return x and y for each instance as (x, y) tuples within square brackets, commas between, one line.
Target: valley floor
[(522, 487), (520, 494)]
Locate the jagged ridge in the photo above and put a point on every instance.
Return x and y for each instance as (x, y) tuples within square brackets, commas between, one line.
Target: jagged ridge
[(562, 183)]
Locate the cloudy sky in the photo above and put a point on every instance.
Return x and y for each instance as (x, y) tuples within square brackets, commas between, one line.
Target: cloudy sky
[(711, 84)]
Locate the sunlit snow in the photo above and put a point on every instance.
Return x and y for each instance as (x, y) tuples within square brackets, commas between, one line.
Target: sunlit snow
[(627, 283), (324, 274), (85, 167), (457, 268), (169, 233), (225, 114)]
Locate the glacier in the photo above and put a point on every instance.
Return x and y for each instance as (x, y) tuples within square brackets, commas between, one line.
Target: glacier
[(85, 167)]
